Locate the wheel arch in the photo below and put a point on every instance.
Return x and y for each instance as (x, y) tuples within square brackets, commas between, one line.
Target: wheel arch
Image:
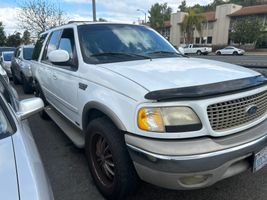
[(93, 110)]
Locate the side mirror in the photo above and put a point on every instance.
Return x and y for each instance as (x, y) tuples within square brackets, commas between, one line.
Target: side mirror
[(58, 56), (29, 107), (181, 50)]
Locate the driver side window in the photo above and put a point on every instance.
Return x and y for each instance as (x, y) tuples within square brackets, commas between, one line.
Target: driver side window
[(67, 43), (63, 40)]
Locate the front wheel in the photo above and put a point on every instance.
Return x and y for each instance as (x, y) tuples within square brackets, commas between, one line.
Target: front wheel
[(199, 53), (235, 53), (109, 161), (219, 53)]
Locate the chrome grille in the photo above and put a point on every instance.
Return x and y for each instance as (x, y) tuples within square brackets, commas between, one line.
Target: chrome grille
[(232, 114)]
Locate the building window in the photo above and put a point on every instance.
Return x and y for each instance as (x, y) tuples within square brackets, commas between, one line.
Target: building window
[(209, 40), (210, 25), (203, 40), (197, 40)]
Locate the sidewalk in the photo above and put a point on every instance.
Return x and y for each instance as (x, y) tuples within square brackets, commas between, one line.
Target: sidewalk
[(255, 53)]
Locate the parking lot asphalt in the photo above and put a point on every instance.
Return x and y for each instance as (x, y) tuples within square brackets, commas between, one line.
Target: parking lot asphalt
[(255, 62), (246, 60), (67, 170)]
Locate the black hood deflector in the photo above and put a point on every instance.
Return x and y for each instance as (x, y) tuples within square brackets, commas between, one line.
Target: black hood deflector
[(203, 91)]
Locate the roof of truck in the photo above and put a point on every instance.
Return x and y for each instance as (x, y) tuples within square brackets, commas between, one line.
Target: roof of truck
[(78, 23)]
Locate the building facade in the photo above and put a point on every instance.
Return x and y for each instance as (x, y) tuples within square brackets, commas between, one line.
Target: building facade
[(217, 27)]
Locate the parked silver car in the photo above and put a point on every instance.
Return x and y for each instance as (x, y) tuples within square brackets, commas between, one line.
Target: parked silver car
[(230, 51), (22, 176), (6, 61), (21, 68)]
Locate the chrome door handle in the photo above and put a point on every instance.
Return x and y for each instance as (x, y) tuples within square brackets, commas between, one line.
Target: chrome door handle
[(54, 77)]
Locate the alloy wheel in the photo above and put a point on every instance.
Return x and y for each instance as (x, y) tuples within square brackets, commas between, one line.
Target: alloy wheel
[(102, 160)]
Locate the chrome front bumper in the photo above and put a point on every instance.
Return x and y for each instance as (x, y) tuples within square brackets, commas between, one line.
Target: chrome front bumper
[(195, 163)]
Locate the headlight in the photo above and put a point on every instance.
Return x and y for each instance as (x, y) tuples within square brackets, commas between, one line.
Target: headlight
[(168, 119)]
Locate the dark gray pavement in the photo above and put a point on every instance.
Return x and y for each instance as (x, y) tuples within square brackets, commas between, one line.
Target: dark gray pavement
[(246, 60), (255, 62)]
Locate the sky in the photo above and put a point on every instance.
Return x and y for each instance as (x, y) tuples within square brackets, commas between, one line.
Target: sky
[(111, 10)]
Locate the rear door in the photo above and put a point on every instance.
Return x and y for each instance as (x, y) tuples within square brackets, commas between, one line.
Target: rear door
[(228, 50), (16, 62)]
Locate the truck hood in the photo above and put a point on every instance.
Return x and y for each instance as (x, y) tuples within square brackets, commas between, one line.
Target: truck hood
[(169, 73), (8, 177)]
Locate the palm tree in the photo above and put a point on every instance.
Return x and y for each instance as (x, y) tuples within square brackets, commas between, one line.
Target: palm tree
[(191, 22)]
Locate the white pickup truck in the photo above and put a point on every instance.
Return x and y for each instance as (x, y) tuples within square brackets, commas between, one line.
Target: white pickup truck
[(197, 49), (142, 110)]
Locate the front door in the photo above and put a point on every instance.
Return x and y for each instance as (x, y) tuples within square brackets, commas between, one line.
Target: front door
[(46, 67), (65, 79)]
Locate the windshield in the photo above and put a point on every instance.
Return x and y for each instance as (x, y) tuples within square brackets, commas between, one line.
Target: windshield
[(107, 43), (7, 56), (27, 53)]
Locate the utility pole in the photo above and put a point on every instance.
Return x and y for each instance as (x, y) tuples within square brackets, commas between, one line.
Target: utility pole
[(144, 12), (94, 10)]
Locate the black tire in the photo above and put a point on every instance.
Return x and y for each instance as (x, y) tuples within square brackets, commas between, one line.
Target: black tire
[(199, 53), (27, 88), (115, 156), (39, 93), (218, 53), (14, 78), (235, 53)]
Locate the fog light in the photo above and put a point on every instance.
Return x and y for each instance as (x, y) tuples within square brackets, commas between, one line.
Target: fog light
[(194, 180)]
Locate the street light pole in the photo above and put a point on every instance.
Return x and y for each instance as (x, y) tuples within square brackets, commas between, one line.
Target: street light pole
[(140, 10), (94, 10)]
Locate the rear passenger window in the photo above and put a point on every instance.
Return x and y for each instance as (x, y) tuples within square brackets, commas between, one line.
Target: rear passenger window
[(52, 44)]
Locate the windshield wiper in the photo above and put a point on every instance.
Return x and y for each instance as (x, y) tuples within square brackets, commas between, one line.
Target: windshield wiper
[(164, 52), (120, 54)]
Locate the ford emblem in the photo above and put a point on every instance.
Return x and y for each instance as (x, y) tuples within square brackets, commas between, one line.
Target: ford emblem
[(251, 110)]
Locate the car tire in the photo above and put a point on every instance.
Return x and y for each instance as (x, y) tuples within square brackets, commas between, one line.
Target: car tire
[(27, 88), (218, 53), (15, 79), (235, 53), (199, 53), (109, 161), (39, 93)]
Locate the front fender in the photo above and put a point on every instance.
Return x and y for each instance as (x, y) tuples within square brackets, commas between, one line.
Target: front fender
[(104, 109)]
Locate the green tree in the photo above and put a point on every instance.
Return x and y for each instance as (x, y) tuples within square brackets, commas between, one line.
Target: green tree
[(183, 6), (14, 40), (197, 8), (2, 35), (26, 37), (191, 22), (159, 13), (248, 30)]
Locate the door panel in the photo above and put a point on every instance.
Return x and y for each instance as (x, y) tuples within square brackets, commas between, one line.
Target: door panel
[(65, 91), (46, 67), (65, 79)]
